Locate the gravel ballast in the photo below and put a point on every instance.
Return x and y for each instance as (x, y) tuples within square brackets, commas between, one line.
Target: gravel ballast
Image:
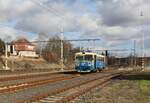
[(119, 90)]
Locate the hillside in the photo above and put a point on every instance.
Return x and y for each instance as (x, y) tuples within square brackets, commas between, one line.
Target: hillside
[(16, 63)]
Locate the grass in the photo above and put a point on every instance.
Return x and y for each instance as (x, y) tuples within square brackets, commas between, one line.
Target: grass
[(145, 91), (145, 86), (144, 82)]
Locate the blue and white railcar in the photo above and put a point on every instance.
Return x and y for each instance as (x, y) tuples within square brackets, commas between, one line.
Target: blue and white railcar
[(89, 62)]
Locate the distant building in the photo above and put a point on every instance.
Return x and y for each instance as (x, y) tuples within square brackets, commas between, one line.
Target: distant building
[(22, 47)]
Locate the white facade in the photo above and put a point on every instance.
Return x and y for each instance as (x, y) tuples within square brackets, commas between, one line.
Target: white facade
[(22, 53), (27, 54)]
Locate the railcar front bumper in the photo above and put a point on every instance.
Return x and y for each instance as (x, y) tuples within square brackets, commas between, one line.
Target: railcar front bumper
[(83, 69), (87, 71)]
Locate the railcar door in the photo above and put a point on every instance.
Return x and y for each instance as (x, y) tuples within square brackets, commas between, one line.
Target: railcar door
[(95, 61)]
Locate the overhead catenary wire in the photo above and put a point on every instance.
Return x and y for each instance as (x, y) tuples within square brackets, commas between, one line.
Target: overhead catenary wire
[(112, 49), (55, 12), (49, 9), (60, 40)]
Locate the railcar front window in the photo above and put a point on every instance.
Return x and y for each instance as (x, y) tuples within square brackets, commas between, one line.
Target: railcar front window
[(79, 57), (88, 57)]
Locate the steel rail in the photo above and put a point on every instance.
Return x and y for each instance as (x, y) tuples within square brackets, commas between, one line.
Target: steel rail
[(76, 92), (27, 81), (21, 86), (57, 91), (24, 76)]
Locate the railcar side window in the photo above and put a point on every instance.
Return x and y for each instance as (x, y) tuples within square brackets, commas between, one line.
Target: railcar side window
[(88, 57), (100, 59), (79, 57)]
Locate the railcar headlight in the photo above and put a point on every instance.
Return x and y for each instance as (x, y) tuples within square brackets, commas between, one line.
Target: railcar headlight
[(89, 64)]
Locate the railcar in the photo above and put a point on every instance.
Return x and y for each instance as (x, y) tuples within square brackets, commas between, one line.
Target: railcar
[(89, 62)]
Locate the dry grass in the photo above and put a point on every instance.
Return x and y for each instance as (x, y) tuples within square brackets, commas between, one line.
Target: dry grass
[(127, 89), (28, 63)]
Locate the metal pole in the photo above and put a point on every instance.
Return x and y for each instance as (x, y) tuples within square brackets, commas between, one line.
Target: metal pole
[(80, 46), (94, 45), (134, 53), (143, 56), (142, 43), (62, 61), (6, 57)]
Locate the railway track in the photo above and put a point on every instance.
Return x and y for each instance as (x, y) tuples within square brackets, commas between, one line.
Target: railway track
[(13, 80), (14, 83), (25, 71), (70, 94), (24, 76), (15, 87), (60, 88)]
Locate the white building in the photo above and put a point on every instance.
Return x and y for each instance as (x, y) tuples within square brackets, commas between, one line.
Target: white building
[(23, 48)]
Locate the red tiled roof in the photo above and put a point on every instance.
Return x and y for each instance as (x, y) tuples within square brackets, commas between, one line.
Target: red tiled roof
[(23, 45), (22, 41)]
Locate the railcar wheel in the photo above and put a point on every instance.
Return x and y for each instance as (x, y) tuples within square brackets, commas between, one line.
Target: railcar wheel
[(100, 70)]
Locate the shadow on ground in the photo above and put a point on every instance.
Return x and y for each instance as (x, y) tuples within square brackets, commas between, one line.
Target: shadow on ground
[(135, 76)]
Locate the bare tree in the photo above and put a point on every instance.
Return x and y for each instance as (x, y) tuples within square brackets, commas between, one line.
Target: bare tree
[(40, 45), (2, 50), (2, 47), (52, 50)]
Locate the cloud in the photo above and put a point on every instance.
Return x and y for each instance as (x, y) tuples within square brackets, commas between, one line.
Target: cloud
[(51, 22), (14, 10), (123, 12), (121, 22), (7, 33), (30, 16), (115, 21)]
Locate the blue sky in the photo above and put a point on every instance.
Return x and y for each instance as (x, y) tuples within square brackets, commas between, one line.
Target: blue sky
[(116, 22)]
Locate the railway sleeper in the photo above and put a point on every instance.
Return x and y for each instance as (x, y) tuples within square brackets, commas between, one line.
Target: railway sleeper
[(72, 93)]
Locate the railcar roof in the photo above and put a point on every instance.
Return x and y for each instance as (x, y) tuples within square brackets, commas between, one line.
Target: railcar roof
[(89, 53)]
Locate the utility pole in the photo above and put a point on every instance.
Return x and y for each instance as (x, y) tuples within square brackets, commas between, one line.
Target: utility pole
[(6, 57), (143, 55), (94, 45), (62, 49), (134, 53), (80, 47), (142, 44)]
